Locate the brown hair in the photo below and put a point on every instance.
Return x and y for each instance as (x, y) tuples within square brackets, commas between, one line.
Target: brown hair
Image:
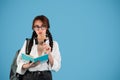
[(44, 20)]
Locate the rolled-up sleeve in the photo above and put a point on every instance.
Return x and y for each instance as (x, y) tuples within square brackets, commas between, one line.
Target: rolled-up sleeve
[(56, 57), (20, 62)]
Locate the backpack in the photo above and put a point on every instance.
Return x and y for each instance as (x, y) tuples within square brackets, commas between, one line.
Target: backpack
[(13, 75)]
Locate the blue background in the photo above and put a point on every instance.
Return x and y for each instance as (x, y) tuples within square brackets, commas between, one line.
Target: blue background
[(88, 33)]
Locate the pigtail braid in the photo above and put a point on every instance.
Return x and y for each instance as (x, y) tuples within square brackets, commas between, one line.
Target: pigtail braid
[(34, 35), (50, 39)]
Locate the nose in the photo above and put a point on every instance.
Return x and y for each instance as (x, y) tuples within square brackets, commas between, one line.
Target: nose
[(39, 29)]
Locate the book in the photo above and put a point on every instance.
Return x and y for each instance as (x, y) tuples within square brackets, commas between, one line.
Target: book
[(42, 58)]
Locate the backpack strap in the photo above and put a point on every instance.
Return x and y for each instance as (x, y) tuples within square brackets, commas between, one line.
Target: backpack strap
[(27, 44)]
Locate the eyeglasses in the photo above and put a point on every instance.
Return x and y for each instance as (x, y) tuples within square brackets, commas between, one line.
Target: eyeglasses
[(38, 27)]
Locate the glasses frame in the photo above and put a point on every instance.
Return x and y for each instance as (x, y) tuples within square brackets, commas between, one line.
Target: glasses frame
[(36, 28)]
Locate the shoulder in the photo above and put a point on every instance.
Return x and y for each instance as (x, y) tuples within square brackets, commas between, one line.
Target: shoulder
[(55, 44), (26, 41)]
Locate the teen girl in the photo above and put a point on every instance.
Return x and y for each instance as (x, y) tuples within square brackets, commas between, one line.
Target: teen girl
[(41, 43)]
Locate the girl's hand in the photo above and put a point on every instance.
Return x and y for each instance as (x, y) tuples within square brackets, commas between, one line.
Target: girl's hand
[(47, 48), (29, 65)]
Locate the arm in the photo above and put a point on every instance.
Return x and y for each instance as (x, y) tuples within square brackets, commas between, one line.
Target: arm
[(55, 58), (20, 62)]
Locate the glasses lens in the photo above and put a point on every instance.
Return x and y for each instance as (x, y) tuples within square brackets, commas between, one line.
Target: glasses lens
[(38, 27)]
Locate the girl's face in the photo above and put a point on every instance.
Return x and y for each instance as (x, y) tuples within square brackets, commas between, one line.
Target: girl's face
[(39, 28)]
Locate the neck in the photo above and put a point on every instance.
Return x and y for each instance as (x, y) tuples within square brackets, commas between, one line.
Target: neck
[(40, 42)]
